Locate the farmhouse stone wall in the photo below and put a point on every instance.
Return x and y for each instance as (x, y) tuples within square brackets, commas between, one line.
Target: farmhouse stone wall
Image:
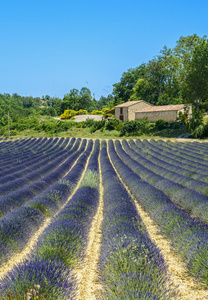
[(129, 111), (168, 116), (132, 109)]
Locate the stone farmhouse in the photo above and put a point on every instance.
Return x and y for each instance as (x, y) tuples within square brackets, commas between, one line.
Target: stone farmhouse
[(126, 111), (137, 110)]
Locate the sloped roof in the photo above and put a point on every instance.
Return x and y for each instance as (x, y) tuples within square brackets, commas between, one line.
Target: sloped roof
[(129, 103), (162, 108)]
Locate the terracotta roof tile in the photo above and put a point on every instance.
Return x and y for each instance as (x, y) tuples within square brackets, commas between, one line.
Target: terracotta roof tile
[(162, 108)]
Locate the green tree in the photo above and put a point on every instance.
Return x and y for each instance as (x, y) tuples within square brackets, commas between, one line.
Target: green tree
[(76, 100), (197, 76), (124, 89), (70, 100), (197, 82), (143, 90), (85, 99)]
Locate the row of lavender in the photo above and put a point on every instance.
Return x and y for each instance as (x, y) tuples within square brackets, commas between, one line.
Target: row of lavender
[(192, 151), (188, 235), (23, 149), (23, 160), (160, 167), (19, 191), (130, 265), (47, 272), (185, 195), (33, 170), (19, 225), (173, 160)]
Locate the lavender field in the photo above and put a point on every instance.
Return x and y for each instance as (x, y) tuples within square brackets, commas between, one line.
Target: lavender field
[(73, 219)]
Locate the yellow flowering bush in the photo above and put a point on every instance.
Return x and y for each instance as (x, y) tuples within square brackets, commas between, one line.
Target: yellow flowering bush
[(69, 113)]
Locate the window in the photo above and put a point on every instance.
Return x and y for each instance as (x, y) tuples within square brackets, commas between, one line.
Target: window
[(121, 111)]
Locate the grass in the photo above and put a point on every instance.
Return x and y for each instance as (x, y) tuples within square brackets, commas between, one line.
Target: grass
[(105, 134)]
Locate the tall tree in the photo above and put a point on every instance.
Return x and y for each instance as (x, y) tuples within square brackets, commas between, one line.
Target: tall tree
[(143, 90), (123, 90), (77, 100), (197, 81), (184, 50), (70, 100), (197, 75)]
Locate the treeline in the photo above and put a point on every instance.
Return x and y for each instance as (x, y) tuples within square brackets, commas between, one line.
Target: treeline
[(25, 112), (177, 75), (19, 106)]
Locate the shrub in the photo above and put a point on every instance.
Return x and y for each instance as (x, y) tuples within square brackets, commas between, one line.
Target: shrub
[(82, 112), (135, 127), (176, 126), (97, 125), (114, 124), (161, 124), (96, 112), (201, 131), (69, 113), (63, 126), (13, 132), (89, 122)]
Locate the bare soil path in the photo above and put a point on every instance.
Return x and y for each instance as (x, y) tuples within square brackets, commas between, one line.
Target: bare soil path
[(87, 275)]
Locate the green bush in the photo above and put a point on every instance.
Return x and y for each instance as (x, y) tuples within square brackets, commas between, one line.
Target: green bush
[(63, 126), (138, 127), (13, 132), (161, 124), (89, 122), (114, 124), (176, 126), (201, 131), (97, 125)]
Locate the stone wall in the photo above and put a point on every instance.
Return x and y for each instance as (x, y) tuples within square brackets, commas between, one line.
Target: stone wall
[(129, 112), (168, 116)]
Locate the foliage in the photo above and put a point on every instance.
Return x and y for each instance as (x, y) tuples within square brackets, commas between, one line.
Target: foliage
[(161, 124), (114, 124), (76, 100), (97, 125), (201, 131), (96, 112), (106, 112), (138, 127), (163, 79), (123, 89), (69, 113)]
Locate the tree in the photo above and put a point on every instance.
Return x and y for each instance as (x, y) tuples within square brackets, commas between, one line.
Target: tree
[(70, 100), (123, 90), (184, 50), (76, 100), (105, 102), (143, 90), (163, 78), (196, 84), (197, 77), (85, 99)]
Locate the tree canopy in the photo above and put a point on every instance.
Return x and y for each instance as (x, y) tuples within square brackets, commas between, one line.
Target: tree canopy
[(168, 77)]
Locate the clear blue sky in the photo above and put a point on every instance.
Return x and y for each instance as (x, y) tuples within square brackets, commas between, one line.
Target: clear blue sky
[(49, 47)]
